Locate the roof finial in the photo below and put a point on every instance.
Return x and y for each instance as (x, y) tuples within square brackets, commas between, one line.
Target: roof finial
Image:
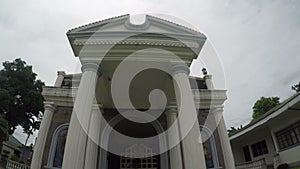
[(204, 71)]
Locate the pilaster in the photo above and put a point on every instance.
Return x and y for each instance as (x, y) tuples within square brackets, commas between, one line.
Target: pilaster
[(42, 135)]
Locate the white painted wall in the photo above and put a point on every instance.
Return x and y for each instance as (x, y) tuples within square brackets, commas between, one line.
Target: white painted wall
[(10, 149), (291, 155), (265, 132), (252, 138)]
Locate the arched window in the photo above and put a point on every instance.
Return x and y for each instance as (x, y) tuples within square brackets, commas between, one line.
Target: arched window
[(209, 148), (57, 147)]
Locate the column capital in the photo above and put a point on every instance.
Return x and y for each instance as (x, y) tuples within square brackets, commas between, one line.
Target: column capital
[(171, 111), (49, 106), (97, 106), (91, 66), (179, 68), (219, 108)]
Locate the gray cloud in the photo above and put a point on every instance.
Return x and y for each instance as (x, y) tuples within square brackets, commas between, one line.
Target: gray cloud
[(257, 41)]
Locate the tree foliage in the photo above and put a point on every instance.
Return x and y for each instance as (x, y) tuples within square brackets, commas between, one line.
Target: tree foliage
[(233, 129), (263, 105), (21, 101), (296, 87), (3, 128)]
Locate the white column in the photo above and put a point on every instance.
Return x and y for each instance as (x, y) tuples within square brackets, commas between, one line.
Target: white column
[(74, 155), (193, 155), (91, 157), (42, 136), (173, 137), (222, 131), (225, 143), (60, 78)]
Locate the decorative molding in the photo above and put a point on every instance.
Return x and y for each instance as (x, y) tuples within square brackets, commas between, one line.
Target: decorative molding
[(125, 20), (185, 28), (90, 66), (92, 39), (170, 43), (60, 96), (171, 111), (204, 99), (93, 24), (50, 106)]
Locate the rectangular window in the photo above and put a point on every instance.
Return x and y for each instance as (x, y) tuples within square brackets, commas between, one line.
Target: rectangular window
[(247, 153), (288, 137), (259, 148)]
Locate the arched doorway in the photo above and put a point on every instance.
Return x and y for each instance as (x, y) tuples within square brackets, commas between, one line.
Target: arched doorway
[(112, 161)]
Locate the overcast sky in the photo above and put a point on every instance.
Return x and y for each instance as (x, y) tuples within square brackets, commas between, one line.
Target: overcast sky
[(257, 41)]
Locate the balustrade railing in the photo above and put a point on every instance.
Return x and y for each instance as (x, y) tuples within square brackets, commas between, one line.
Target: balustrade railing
[(259, 164), (15, 165)]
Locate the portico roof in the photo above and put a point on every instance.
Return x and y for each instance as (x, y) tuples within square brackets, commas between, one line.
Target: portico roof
[(151, 21), (92, 40)]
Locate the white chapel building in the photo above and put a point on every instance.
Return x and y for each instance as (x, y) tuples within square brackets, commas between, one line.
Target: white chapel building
[(104, 118)]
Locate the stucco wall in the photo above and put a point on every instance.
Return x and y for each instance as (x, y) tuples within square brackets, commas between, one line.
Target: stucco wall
[(291, 155), (267, 132), (252, 138), (10, 148)]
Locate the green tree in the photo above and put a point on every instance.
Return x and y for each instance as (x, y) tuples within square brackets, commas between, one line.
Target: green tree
[(3, 130), (21, 101), (30, 128), (263, 105), (296, 87)]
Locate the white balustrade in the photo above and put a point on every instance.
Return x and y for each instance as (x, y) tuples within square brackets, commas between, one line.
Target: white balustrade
[(15, 165), (259, 164)]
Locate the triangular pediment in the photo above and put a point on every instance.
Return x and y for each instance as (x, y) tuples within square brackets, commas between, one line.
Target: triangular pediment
[(122, 24), (91, 41)]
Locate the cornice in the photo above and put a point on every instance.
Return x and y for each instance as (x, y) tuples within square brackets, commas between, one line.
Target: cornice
[(173, 23), (97, 23), (154, 42), (60, 96), (204, 99)]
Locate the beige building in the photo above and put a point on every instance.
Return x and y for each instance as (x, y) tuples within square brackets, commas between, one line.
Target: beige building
[(11, 147), (272, 140), (103, 118)]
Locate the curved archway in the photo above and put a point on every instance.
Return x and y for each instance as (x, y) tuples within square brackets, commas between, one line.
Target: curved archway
[(105, 141), (56, 151)]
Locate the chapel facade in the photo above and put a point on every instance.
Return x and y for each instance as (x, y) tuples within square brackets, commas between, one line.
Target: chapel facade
[(134, 106)]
